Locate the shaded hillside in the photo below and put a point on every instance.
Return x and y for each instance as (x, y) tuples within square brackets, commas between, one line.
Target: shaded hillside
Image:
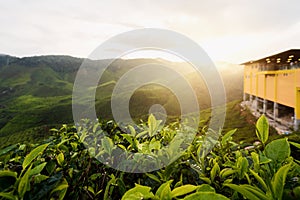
[(36, 92)]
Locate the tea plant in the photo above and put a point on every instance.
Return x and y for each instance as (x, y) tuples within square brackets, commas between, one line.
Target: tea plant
[(65, 165)]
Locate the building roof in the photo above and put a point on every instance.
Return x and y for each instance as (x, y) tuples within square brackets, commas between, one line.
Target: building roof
[(292, 55)]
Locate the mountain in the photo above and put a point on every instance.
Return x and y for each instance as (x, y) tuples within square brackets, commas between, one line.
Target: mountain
[(36, 92)]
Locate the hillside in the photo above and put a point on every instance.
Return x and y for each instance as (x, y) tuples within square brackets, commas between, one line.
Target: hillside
[(36, 92)]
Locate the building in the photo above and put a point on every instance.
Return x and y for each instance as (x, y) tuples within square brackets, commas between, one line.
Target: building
[(272, 86)]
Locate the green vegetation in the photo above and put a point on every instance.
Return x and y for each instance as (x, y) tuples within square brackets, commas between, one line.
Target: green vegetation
[(36, 94), (38, 161), (61, 167)]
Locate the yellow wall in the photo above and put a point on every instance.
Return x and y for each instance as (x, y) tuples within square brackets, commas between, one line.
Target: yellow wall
[(297, 109), (278, 86), (260, 87), (286, 89), (297, 78), (270, 87)]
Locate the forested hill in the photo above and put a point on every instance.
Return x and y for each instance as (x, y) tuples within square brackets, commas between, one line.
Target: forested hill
[(36, 92)]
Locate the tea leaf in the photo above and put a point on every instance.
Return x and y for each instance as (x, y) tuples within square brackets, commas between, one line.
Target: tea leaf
[(152, 124), (278, 180), (8, 173), (248, 191), (33, 154), (278, 150), (295, 144), (8, 149), (205, 196), (107, 144), (227, 136), (205, 188), (182, 190), (214, 171), (60, 159), (260, 180), (262, 129), (24, 183), (132, 130), (8, 196), (161, 188), (37, 169), (138, 192)]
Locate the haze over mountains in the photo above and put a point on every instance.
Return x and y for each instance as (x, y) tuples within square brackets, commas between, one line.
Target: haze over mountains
[(36, 92)]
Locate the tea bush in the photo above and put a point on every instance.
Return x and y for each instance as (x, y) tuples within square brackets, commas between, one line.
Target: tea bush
[(64, 167)]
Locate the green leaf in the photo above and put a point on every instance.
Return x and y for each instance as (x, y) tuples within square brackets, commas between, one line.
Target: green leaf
[(95, 127), (162, 187), (295, 144), (60, 159), (205, 196), (262, 129), (205, 179), (278, 150), (154, 145), (141, 134), (8, 196), (214, 171), (242, 166), (153, 177), (62, 142), (205, 188), (8, 173), (33, 154), (227, 136), (37, 169), (24, 183), (182, 190), (296, 192), (62, 188), (107, 144), (109, 185), (260, 180), (138, 192), (42, 190), (132, 130), (152, 124), (166, 193), (278, 180), (8, 149), (227, 172), (50, 167), (90, 189), (264, 160), (255, 159), (93, 177), (128, 138), (248, 191), (39, 178)]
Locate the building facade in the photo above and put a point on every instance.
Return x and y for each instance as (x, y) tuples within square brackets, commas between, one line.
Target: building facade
[(272, 85)]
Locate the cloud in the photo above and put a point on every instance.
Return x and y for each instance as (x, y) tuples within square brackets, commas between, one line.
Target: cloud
[(229, 30)]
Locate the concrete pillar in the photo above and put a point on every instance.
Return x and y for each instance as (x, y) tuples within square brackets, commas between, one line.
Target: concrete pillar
[(255, 104), (265, 106), (296, 123), (275, 111)]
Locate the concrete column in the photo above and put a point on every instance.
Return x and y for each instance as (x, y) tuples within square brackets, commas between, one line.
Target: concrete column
[(275, 111), (255, 104), (296, 123), (265, 106)]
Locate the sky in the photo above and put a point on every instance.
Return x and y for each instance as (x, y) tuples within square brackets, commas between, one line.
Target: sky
[(233, 31)]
